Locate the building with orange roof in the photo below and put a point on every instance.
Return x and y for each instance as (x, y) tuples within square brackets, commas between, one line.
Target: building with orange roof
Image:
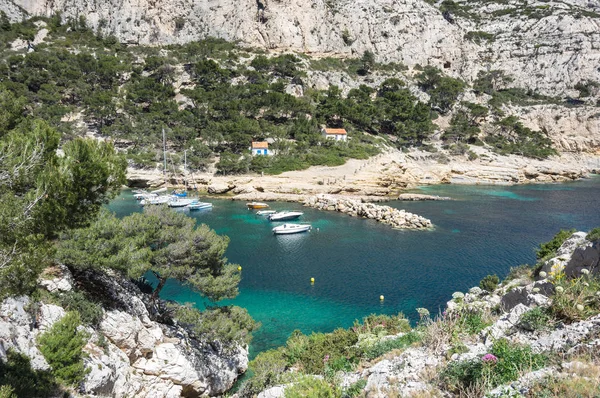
[(334, 134), (260, 148)]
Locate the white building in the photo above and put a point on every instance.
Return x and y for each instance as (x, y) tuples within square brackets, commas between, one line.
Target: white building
[(260, 148), (335, 134)]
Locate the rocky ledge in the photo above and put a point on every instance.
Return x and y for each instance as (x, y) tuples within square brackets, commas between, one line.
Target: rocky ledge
[(130, 353), (384, 214)]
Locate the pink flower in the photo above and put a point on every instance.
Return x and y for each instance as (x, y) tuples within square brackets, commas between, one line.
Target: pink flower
[(326, 358), (489, 358)]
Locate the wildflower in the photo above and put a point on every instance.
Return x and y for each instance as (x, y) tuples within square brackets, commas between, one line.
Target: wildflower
[(579, 307), (585, 271), (536, 290), (326, 359), (489, 358), (458, 295), (586, 284), (543, 274), (559, 289)]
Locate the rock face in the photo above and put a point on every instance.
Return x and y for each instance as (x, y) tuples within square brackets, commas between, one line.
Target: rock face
[(547, 48), (130, 354), (384, 214)]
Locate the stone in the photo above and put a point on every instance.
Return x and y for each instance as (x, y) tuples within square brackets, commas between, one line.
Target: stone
[(217, 189)]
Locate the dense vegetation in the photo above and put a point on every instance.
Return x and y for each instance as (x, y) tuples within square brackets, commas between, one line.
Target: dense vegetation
[(51, 195), (213, 98)]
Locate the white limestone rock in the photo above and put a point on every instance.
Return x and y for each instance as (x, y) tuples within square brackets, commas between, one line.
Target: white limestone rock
[(16, 331)]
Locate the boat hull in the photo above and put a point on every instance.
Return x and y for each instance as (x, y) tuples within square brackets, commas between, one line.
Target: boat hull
[(256, 205), (200, 206), (285, 216), (287, 229)]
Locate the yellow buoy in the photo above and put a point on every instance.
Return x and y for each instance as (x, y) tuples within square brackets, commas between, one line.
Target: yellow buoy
[(312, 280), (381, 297), (239, 268)]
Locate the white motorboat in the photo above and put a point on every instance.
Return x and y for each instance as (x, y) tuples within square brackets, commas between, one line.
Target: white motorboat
[(200, 206), (291, 229), (181, 202), (265, 212), (144, 195), (158, 200), (285, 215)]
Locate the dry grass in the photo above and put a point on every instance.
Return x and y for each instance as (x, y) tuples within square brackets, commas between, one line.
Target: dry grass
[(581, 380)]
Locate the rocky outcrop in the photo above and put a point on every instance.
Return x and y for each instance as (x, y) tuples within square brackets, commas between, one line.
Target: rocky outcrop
[(547, 48), (384, 214), (418, 197), (130, 353)]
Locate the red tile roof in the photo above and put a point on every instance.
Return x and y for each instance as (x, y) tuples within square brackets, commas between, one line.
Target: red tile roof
[(335, 131), (260, 145)]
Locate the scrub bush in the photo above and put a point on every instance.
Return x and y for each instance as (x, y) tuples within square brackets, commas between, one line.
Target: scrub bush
[(489, 283), (62, 347)]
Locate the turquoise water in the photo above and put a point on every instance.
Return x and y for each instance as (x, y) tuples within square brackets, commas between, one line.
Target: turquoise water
[(485, 230)]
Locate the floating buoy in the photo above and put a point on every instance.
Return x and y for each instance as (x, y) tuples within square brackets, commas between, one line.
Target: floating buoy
[(381, 297), (312, 280), (239, 268)]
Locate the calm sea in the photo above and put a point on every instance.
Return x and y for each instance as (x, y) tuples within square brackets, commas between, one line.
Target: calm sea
[(484, 230)]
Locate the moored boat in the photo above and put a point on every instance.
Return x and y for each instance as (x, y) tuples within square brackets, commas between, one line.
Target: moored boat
[(200, 206), (265, 212), (257, 205), (159, 200), (181, 202), (285, 215), (291, 229)]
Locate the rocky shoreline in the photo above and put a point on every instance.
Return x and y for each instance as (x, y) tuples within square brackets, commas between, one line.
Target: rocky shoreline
[(384, 214), (130, 353)]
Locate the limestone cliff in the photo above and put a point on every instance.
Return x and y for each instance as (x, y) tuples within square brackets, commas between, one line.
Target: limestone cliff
[(131, 353), (546, 46)]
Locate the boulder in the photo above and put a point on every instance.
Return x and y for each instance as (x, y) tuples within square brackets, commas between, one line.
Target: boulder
[(217, 189)]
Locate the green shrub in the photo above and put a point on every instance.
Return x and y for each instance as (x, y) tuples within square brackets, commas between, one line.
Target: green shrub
[(522, 271), (383, 324), (576, 299), (312, 387), (489, 283), (511, 360), (314, 353), (7, 392), (23, 381), (227, 324), (382, 347), (535, 319), (267, 370), (548, 250), (354, 389), (62, 347), (472, 322), (593, 235), (90, 312)]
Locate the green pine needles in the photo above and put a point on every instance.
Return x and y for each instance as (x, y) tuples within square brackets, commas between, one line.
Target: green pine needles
[(62, 347)]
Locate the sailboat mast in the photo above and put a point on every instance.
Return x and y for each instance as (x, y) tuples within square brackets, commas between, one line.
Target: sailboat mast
[(164, 154), (185, 168)]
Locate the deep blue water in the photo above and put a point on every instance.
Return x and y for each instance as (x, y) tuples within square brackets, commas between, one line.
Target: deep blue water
[(485, 230)]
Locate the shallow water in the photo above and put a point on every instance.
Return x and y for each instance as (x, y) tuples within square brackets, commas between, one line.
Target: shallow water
[(485, 230)]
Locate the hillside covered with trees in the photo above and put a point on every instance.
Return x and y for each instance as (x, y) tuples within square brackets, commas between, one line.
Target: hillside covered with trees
[(213, 98)]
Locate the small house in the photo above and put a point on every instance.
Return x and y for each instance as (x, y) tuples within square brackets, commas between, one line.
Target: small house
[(334, 134), (260, 148)]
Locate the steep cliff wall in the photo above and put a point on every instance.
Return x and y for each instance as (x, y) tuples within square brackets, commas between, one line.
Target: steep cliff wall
[(545, 46)]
